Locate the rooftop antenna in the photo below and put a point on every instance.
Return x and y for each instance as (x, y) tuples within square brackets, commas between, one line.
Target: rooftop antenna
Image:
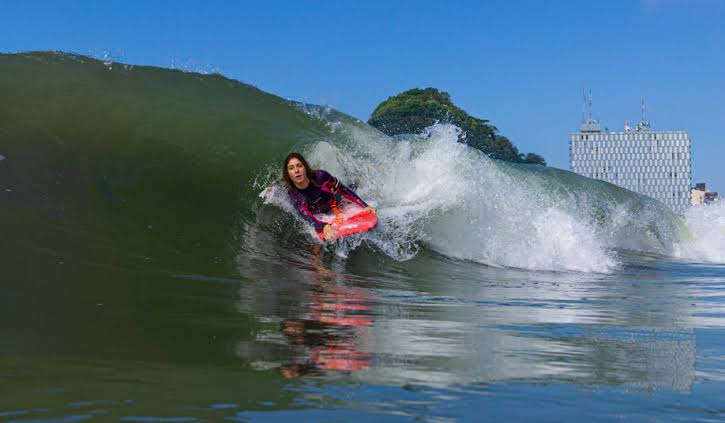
[(643, 109), (589, 124), (590, 104), (643, 125)]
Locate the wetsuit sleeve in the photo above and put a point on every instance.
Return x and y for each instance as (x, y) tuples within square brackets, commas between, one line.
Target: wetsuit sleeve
[(301, 206), (350, 195), (333, 185)]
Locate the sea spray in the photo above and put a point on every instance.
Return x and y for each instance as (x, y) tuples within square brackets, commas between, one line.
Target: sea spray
[(433, 191), (706, 240), (473, 209)]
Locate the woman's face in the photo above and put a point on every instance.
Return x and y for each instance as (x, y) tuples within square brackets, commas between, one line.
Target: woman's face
[(298, 173)]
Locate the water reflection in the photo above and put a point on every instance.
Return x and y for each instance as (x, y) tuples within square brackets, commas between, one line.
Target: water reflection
[(327, 328), (333, 337), (437, 322)]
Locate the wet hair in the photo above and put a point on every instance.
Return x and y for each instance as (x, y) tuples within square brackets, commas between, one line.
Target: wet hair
[(308, 170)]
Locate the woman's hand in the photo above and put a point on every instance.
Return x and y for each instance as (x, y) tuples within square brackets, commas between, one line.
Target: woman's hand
[(329, 233), (372, 209)]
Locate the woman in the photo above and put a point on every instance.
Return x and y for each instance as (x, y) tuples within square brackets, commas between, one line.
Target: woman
[(314, 191)]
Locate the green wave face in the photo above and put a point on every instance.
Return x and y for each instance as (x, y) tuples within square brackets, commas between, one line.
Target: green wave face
[(142, 167), (128, 164)]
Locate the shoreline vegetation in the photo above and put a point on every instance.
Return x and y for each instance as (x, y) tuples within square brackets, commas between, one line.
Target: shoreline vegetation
[(413, 110)]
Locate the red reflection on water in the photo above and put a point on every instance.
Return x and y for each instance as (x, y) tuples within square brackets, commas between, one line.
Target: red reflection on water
[(339, 316)]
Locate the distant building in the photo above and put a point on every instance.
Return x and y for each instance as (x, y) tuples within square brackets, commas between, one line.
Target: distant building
[(697, 196), (653, 163), (700, 195)]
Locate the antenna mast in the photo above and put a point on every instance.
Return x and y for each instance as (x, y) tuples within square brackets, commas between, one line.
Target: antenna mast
[(643, 109), (588, 123), (590, 104), (643, 125)]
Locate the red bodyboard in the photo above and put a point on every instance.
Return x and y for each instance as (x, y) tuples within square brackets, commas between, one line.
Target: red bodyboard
[(352, 222)]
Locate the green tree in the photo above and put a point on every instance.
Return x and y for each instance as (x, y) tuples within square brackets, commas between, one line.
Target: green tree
[(534, 158), (414, 110)]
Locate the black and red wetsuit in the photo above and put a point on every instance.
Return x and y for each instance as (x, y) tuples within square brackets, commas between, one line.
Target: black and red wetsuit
[(319, 196)]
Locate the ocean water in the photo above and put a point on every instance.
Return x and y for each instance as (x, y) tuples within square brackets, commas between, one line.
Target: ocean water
[(151, 269)]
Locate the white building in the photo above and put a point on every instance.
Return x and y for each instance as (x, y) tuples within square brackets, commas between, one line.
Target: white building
[(653, 163)]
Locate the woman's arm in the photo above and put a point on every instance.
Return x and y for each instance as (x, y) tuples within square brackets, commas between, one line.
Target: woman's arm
[(350, 195), (334, 186)]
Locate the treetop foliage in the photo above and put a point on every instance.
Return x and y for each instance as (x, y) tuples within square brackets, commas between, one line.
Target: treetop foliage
[(414, 110)]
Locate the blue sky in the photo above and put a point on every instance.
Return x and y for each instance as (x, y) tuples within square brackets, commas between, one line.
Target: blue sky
[(520, 64)]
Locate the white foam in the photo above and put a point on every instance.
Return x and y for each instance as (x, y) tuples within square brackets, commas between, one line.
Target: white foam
[(430, 190), (435, 191), (705, 241)]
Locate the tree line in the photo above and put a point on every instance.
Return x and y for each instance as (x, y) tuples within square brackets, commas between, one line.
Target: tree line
[(414, 110)]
